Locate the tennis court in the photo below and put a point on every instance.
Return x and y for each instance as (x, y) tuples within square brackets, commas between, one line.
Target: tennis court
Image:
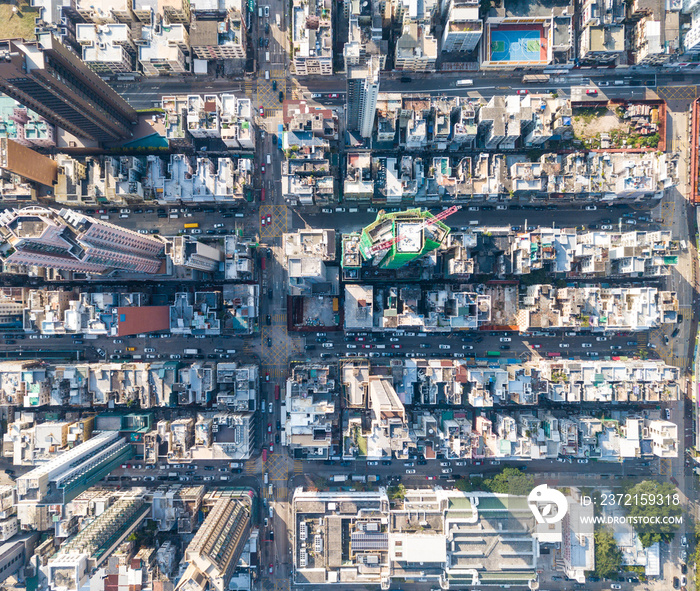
[(518, 44)]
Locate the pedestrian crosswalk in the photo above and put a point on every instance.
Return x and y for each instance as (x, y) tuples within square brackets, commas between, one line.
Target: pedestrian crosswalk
[(298, 467), (281, 493), (252, 467)]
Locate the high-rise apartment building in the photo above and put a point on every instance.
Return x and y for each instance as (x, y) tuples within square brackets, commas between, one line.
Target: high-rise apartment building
[(46, 77), (70, 241), (47, 487), (362, 91)]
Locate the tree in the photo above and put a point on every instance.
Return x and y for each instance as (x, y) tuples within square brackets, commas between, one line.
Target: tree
[(510, 481), (650, 501), (608, 556), (396, 492)]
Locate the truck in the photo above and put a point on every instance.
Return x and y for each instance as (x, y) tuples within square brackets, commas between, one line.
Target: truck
[(191, 351), (372, 478), (90, 337), (278, 20), (339, 478), (358, 478), (192, 225)]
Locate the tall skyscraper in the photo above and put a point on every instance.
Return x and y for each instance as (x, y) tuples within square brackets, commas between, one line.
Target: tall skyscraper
[(362, 91), (46, 77), (70, 241)]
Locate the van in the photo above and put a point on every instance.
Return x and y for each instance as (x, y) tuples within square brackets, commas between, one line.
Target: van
[(270, 491), (123, 215), (380, 346), (265, 478), (174, 216), (260, 12), (618, 82), (104, 217), (269, 159), (267, 56), (223, 477), (272, 512), (474, 223), (240, 215), (352, 210), (267, 74), (231, 351)]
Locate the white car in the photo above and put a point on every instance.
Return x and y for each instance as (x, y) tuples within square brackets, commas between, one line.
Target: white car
[(328, 345), (270, 409), (630, 222), (585, 461), (33, 336), (591, 208), (393, 340), (505, 339), (218, 225), (563, 345), (445, 346), (175, 356), (149, 350), (196, 231), (601, 339), (501, 207), (467, 348), (586, 345), (606, 227), (410, 471)]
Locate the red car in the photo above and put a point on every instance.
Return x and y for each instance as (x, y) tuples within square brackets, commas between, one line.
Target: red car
[(272, 448), (272, 568), (522, 91), (396, 346), (262, 221), (267, 376), (367, 346), (591, 91), (262, 168), (262, 111), (359, 338), (269, 427), (269, 220)]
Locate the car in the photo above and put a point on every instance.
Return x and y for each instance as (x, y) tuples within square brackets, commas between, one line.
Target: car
[(267, 43), (467, 348), (267, 376), (396, 346), (100, 352), (410, 471), (333, 95), (615, 347), (630, 222), (536, 346), (149, 350), (269, 342), (563, 345), (505, 339), (196, 231), (446, 470), (143, 231), (269, 220), (586, 345), (406, 79), (271, 410), (271, 568), (394, 340), (684, 581), (601, 339), (445, 346), (504, 347), (676, 583), (175, 356), (262, 221), (430, 477), (218, 225), (606, 227), (591, 91), (591, 207), (262, 111), (501, 207), (522, 92), (262, 168), (583, 461), (268, 320), (373, 463), (269, 427), (684, 539), (280, 96)]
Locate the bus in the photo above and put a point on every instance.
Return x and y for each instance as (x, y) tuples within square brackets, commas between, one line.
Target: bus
[(465, 82), (264, 454), (493, 353), (192, 225), (262, 263), (262, 195), (535, 78), (554, 354), (277, 391)]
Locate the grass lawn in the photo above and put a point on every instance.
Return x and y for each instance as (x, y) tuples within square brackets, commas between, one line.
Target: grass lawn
[(362, 444), (20, 24)]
